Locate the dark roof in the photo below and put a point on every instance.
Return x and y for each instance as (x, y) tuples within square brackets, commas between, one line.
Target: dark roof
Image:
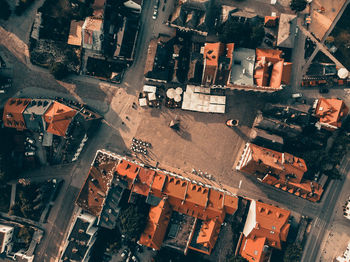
[(94, 192), (78, 242), (111, 210)]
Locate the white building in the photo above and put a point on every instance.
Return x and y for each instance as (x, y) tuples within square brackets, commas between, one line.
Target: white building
[(6, 233)]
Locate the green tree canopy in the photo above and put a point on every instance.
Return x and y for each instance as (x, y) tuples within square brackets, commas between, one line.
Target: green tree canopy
[(298, 5), (293, 253), (233, 258), (132, 221), (58, 70), (5, 10)]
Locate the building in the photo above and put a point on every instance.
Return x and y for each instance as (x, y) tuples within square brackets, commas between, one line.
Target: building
[(13, 113), (271, 72), (207, 205), (264, 139), (168, 194), (6, 234), (284, 166), (94, 192), (58, 118), (321, 70), (34, 114), (330, 113), (190, 16), (279, 127), (75, 33), (45, 115), (271, 21), (287, 30), (281, 170), (159, 62), (80, 239), (242, 71), (266, 227), (217, 63), (92, 33)]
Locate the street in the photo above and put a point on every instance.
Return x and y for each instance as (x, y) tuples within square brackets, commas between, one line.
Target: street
[(206, 143)]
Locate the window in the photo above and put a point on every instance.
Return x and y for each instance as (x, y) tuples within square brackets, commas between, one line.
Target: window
[(273, 227), (272, 232)]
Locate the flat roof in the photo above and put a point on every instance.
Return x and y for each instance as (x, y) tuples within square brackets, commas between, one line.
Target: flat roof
[(242, 70)]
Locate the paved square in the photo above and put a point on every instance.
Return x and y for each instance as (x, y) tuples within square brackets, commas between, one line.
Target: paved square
[(204, 141)]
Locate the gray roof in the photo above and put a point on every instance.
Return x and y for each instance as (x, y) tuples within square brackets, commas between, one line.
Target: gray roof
[(34, 114), (286, 30), (242, 69)]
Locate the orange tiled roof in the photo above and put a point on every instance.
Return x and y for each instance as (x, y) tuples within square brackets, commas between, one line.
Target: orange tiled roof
[(74, 37), (286, 73), (212, 74), (211, 53), (266, 161), (252, 249), (182, 196), (95, 189), (143, 182), (13, 113), (331, 111), (158, 220), (272, 223), (209, 233), (128, 171), (269, 68), (58, 117)]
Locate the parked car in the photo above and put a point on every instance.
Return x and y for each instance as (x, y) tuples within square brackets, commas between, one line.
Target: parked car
[(41, 135), (324, 90), (270, 36), (31, 153), (124, 253), (155, 13), (30, 140), (297, 95)]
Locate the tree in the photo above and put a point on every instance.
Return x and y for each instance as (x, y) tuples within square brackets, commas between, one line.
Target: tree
[(132, 221), (235, 32), (58, 70), (293, 253), (5, 10), (333, 173), (298, 5), (258, 34), (233, 258), (25, 235)]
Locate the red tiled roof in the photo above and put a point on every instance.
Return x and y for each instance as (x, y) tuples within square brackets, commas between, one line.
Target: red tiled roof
[(331, 112), (158, 220), (269, 68), (13, 113), (252, 249), (267, 161), (95, 189), (182, 196), (58, 117), (212, 73)]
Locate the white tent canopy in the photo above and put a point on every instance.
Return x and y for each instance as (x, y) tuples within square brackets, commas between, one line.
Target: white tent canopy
[(343, 73)]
